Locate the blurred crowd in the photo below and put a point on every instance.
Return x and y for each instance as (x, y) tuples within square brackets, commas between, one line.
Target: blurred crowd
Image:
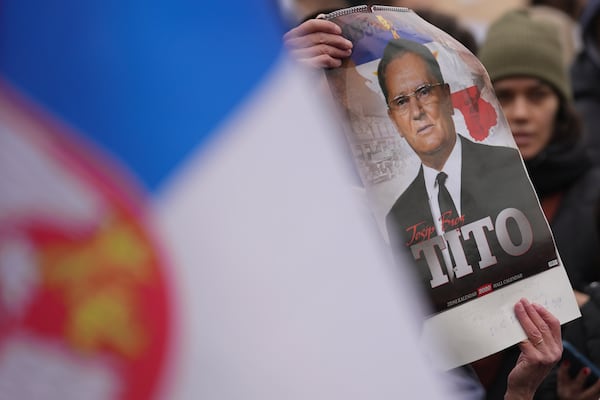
[(543, 59)]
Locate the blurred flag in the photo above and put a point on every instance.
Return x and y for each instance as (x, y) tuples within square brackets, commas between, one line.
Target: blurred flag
[(176, 219)]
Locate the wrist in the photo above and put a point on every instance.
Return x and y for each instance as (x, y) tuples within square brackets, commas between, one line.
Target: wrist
[(512, 394)]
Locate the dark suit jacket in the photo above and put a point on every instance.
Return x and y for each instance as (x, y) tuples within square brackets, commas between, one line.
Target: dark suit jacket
[(493, 179)]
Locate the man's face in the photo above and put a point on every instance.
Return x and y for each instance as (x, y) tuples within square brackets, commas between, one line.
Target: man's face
[(425, 121)]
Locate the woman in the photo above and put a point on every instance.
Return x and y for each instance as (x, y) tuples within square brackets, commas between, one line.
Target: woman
[(523, 59)]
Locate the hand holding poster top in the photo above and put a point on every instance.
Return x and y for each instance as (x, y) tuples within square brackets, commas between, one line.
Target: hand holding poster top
[(447, 184)]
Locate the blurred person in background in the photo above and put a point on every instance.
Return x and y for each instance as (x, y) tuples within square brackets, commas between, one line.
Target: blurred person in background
[(585, 75), (451, 25), (573, 8), (523, 58)]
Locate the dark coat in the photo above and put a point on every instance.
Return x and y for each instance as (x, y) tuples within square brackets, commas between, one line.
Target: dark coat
[(575, 230), (585, 77), (578, 242), (493, 179), (565, 169)]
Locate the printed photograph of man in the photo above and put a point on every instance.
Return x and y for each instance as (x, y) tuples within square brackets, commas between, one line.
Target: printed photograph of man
[(470, 218)]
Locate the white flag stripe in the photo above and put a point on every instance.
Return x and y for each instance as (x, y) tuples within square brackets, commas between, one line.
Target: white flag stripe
[(285, 290)]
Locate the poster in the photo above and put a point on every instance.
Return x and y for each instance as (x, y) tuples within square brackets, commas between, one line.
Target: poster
[(445, 180)]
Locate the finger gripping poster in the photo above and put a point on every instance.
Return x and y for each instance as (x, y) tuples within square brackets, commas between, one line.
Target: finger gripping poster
[(445, 180)]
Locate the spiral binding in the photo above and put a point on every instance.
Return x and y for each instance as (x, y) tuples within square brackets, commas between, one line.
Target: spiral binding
[(363, 8), (390, 8), (346, 11)]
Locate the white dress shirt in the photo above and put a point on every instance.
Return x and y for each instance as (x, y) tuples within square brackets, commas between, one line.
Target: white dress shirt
[(452, 168)]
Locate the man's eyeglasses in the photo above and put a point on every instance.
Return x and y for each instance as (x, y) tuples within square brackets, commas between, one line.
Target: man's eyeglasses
[(423, 94)]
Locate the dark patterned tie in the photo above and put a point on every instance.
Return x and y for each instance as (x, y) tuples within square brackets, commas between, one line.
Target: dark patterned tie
[(447, 213), (445, 201)]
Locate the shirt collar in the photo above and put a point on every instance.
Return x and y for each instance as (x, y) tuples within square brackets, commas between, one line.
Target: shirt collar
[(452, 168)]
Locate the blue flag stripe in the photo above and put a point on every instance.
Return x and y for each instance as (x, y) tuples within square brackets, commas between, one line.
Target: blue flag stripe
[(126, 73)]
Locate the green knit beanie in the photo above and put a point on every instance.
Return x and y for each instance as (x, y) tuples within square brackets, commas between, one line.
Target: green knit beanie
[(518, 45)]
